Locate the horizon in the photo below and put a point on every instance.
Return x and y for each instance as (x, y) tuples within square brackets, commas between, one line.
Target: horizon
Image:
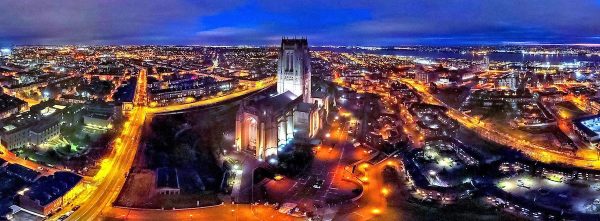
[(589, 45)]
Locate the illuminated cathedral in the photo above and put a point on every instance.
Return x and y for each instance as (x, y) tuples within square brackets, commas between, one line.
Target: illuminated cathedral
[(266, 125)]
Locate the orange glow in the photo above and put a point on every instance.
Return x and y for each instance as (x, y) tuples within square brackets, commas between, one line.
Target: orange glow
[(364, 166), (376, 211), (385, 191), (189, 99)]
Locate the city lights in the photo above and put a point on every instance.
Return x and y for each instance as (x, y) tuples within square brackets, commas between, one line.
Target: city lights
[(178, 111)]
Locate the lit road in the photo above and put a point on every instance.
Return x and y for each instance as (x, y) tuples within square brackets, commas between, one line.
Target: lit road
[(584, 159), (30, 101), (107, 183), (373, 201), (180, 107), (12, 158), (236, 212), (331, 160), (141, 89), (95, 195), (105, 186)]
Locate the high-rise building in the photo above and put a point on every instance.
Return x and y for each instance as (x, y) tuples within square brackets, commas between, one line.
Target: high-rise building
[(427, 76), (5, 52), (509, 81), (293, 72)]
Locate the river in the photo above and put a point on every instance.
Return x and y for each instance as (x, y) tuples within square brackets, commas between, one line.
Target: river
[(494, 56)]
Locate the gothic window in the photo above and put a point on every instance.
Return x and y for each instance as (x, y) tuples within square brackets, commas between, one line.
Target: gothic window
[(287, 61), (290, 61)]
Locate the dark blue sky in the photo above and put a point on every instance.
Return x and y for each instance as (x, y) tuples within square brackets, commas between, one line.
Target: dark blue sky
[(334, 22)]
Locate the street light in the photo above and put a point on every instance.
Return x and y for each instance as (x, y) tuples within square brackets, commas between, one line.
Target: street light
[(385, 191), (376, 211)]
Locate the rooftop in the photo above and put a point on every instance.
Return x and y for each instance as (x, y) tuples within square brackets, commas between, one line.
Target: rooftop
[(8, 102), (49, 188), (277, 103), (590, 125), (44, 125), (22, 172), (102, 116)]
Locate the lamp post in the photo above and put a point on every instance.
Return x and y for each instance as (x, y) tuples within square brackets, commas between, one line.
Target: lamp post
[(252, 188)]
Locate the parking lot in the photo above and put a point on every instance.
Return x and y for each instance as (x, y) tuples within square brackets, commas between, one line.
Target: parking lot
[(554, 192)]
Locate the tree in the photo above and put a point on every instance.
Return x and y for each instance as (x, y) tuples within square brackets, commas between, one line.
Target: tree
[(87, 139), (184, 156), (295, 163)]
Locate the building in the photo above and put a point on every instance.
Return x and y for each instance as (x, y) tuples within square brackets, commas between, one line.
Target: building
[(5, 52), (593, 105), (264, 126), (426, 76), (72, 99), (23, 173), (10, 105), (588, 127), (15, 133), (49, 193), (38, 125), (18, 88), (44, 131), (186, 91), (167, 181), (509, 81), (98, 121), (294, 72)]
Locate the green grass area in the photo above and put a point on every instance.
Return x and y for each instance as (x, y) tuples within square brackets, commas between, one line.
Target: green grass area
[(77, 137), (137, 190), (138, 193), (40, 157), (469, 210), (402, 207), (72, 141)]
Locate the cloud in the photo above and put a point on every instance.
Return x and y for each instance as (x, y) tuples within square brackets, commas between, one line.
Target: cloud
[(226, 32), (374, 22), (63, 21), (474, 19)]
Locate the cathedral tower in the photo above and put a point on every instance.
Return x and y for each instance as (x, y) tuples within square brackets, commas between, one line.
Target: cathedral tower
[(293, 70)]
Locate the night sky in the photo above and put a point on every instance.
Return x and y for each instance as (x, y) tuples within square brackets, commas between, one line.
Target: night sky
[(343, 22)]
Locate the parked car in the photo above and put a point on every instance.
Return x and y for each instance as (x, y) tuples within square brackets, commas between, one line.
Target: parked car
[(318, 184)]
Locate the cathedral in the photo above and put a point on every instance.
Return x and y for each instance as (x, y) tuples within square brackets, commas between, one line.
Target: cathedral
[(266, 125)]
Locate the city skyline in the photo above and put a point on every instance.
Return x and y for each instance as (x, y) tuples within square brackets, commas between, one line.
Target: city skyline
[(348, 110), (237, 22), (139, 132)]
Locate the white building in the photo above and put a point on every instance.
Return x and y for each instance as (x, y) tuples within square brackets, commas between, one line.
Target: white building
[(293, 73), (509, 81), (426, 76)]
